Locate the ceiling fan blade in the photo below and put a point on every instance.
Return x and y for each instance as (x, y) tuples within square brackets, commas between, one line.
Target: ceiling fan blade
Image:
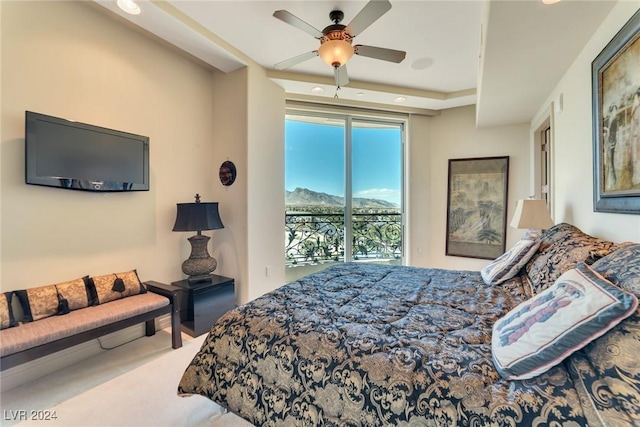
[(342, 78), (390, 55), (367, 16), (295, 60), (291, 19)]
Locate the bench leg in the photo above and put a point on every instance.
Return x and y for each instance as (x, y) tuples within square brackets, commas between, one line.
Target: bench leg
[(150, 328), (176, 333)]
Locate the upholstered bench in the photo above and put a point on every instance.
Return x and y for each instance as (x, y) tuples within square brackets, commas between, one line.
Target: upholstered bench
[(43, 336)]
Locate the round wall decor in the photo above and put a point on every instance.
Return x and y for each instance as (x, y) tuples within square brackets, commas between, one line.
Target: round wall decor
[(227, 173)]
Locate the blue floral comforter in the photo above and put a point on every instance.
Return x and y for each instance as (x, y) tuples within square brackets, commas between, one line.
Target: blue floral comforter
[(372, 345)]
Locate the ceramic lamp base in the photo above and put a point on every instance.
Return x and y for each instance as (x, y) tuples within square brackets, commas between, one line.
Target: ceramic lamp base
[(200, 264)]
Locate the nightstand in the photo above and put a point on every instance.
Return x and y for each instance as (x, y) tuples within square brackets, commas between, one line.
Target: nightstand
[(202, 303)]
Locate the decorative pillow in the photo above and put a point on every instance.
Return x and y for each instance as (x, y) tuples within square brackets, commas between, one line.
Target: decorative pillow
[(562, 247), (6, 311), (541, 332), (38, 303), (110, 287), (510, 263), (131, 282), (622, 267), (607, 371), (76, 293)]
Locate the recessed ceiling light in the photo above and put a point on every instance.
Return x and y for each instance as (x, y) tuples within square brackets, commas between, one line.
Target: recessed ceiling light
[(129, 6), (550, 1), (422, 63), (400, 99), (360, 94), (317, 89)]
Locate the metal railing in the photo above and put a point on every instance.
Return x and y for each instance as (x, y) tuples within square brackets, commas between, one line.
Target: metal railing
[(312, 237)]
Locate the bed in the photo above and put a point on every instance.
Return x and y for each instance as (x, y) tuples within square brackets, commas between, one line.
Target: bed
[(369, 345)]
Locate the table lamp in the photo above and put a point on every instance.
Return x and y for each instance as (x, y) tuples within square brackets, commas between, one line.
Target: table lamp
[(533, 215), (197, 217)]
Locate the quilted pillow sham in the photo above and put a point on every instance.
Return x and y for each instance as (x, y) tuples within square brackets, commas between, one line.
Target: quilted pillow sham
[(541, 332), (562, 247), (622, 267), (6, 311), (609, 366), (510, 263)]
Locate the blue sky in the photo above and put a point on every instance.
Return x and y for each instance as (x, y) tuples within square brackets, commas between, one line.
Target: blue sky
[(314, 159)]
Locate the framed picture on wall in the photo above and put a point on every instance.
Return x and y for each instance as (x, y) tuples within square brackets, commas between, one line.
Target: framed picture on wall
[(477, 207), (615, 75)]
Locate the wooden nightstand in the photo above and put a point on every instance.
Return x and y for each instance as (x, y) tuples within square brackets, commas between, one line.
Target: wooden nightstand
[(202, 303)]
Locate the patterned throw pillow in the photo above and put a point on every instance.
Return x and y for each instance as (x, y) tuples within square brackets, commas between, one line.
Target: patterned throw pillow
[(76, 293), (609, 366), (510, 263), (6, 311), (45, 301), (110, 287), (562, 247), (622, 267), (38, 303), (541, 332)]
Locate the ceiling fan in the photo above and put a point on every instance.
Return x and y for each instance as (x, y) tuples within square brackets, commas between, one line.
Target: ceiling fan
[(336, 39)]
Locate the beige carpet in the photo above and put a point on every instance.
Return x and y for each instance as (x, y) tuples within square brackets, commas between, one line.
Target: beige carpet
[(144, 396)]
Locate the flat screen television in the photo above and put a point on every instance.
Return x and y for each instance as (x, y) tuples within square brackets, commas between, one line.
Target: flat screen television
[(77, 156)]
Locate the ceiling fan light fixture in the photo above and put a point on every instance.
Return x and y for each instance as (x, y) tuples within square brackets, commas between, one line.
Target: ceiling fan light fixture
[(335, 53)]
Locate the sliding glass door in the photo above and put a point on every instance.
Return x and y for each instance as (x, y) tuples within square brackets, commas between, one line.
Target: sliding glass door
[(343, 178), (376, 191)]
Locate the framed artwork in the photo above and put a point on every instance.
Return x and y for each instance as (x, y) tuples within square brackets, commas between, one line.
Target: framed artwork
[(615, 75), (477, 207)]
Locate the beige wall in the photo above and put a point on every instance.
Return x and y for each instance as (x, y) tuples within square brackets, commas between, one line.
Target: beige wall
[(572, 133), (249, 130), (230, 141), (453, 135), (265, 198), (69, 60)]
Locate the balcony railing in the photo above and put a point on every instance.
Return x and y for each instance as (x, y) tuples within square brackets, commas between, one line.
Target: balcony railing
[(317, 237)]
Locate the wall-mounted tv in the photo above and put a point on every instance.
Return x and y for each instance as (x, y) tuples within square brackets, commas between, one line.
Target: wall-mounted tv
[(77, 156)]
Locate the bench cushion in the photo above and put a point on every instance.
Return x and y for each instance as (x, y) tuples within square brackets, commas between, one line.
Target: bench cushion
[(53, 328)]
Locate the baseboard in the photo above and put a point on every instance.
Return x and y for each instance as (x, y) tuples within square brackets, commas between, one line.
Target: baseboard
[(31, 371), (163, 322)]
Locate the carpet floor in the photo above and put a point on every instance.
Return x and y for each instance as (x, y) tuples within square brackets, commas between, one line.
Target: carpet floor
[(145, 395)]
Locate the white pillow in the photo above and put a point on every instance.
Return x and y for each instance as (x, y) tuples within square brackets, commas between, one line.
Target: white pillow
[(541, 332), (509, 263)]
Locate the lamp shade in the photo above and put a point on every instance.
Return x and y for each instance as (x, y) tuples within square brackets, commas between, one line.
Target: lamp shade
[(532, 214), (197, 217)]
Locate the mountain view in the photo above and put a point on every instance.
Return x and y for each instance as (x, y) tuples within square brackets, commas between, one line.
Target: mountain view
[(305, 197)]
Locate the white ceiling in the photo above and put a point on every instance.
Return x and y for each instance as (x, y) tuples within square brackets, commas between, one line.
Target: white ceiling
[(511, 52)]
